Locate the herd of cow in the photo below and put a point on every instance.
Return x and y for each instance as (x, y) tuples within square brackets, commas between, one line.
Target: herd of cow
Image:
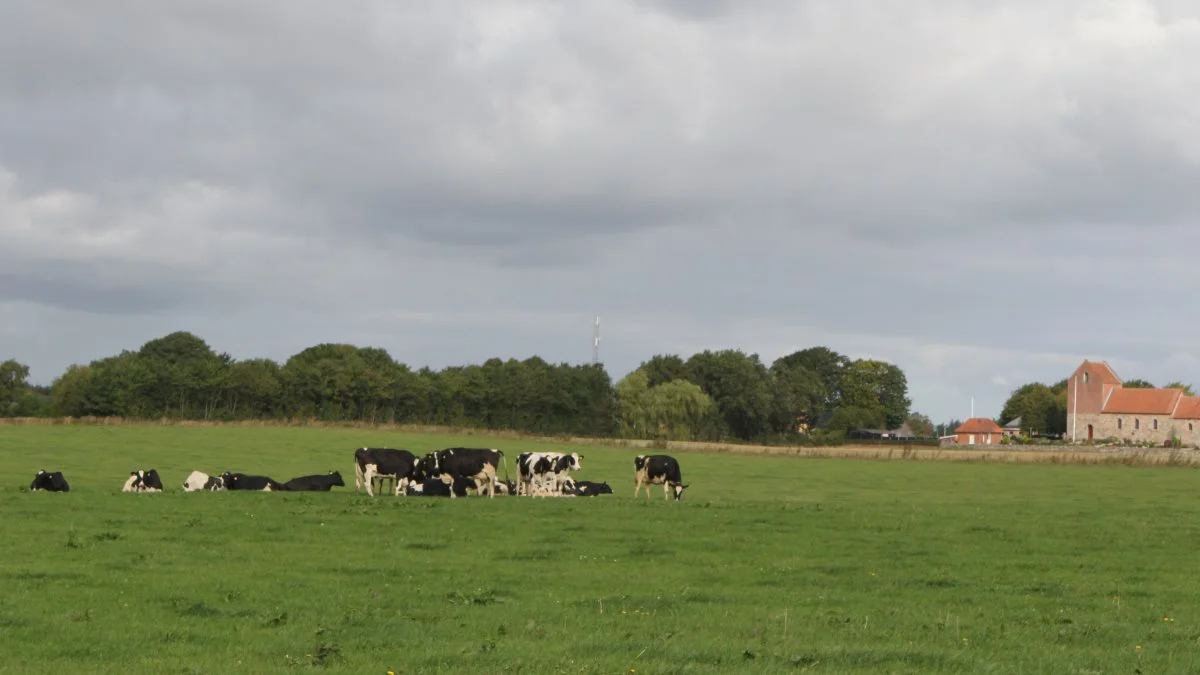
[(452, 472)]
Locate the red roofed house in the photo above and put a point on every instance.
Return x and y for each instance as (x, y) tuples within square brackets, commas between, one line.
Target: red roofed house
[(1099, 407), (978, 431)]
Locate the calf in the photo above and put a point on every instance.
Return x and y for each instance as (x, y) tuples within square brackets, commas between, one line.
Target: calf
[(586, 488), (143, 481), (50, 481), (477, 464), (315, 483), (658, 470), (198, 480), (241, 481), (371, 464)]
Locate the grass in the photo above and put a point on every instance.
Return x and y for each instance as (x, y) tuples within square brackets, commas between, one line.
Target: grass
[(770, 565)]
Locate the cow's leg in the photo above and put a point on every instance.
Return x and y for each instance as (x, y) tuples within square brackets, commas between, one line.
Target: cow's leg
[(369, 478), (358, 476)]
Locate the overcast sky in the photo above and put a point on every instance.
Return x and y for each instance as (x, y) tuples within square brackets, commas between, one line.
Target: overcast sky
[(983, 193)]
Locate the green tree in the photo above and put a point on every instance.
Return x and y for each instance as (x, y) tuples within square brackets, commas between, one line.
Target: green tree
[(848, 418), (740, 385), (186, 376), (662, 368), (69, 392), (633, 405), (877, 385), (14, 387), (921, 425), (1137, 384), (253, 389), (1041, 409), (799, 398), (827, 364), (1187, 388)]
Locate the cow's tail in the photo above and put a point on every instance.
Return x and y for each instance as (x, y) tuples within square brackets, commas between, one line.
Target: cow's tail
[(505, 463)]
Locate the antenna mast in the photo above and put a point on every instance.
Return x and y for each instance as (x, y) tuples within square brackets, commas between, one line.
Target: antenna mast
[(596, 342)]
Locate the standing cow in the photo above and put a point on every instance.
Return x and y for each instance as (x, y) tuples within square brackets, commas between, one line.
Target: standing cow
[(658, 470), (477, 464), (545, 473), (372, 464)]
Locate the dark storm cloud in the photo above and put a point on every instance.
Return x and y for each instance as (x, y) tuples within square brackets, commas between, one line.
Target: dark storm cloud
[(964, 188)]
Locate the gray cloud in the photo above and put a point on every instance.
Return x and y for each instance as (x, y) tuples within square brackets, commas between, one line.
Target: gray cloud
[(983, 192)]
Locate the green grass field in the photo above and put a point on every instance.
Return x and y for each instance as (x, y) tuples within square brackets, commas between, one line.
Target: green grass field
[(769, 565)]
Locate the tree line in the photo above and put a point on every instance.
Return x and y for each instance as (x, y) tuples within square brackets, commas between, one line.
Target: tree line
[(813, 393)]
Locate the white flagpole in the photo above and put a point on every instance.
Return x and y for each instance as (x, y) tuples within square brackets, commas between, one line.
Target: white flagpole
[(1075, 409)]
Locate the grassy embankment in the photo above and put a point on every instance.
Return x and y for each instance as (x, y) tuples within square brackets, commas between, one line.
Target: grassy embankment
[(771, 564)]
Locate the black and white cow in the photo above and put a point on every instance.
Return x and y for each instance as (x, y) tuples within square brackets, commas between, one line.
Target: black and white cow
[(587, 488), (241, 481), (50, 481), (198, 481), (544, 473), (477, 464), (371, 464), (315, 483), (143, 481), (658, 470), (442, 486)]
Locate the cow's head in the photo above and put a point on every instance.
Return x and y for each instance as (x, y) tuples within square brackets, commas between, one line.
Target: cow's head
[(427, 467), (679, 491), (337, 478)]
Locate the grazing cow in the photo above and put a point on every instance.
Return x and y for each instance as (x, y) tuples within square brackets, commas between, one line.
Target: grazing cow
[(658, 470), (543, 473), (50, 481), (371, 464), (241, 481), (198, 481), (443, 486), (477, 464), (143, 481), (586, 488), (315, 483)]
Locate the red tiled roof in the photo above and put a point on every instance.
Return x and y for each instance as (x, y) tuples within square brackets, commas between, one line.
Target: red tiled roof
[(1188, 408), (979, 425), (1101, 371), (1142, 401)]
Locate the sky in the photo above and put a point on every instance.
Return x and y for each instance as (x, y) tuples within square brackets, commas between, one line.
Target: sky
[(983, 193)]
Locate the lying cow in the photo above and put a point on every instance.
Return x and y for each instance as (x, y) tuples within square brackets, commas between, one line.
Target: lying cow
[(143, 481), (378, 464), (315, 483), (443, 486), (658, 470), (241, 481), (476, 464), (586, 488), (49, 481), (199, 481)]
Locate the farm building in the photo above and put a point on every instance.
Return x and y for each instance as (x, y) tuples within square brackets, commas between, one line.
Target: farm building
[(978, 431), (1100, 407)]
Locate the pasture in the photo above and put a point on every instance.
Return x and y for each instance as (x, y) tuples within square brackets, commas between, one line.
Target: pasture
[(769, 565)]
